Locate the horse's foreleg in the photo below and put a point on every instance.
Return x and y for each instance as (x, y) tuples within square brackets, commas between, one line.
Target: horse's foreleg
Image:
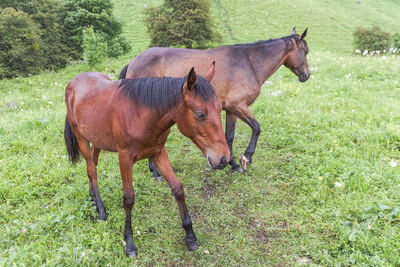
[(125, 165), (163, 164), (154, 170), (91, 157), (229, 136), (244, 113)]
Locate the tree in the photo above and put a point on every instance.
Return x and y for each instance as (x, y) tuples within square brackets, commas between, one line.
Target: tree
[(96, 14), (184, 23), (20, 43)]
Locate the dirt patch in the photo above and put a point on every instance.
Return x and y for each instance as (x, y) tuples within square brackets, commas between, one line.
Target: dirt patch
[(210, 189), (262, 236), (11, 105)]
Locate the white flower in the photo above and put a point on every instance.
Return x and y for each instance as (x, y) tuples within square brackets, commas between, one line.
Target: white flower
[(138, 232), (83, 254), (393, 163), (357, 51), (339, 185), (365, 52), (206, 251), (347, 75), (276, 93), (384, 57), (378, 52)]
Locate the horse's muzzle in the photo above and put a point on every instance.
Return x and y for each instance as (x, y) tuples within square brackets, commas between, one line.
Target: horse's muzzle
[(222, 163), (304, 78)]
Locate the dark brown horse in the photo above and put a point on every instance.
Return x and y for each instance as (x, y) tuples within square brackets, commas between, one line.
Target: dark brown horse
[(240, 72), (133, 117)]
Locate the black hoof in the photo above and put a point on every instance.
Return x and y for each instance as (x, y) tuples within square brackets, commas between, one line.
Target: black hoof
[(131, 254), (192, 244), (103, 216), (158, 179), (237, 169)]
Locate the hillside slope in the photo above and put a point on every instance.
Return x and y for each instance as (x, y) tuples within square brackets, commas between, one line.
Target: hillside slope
[(330, 23)]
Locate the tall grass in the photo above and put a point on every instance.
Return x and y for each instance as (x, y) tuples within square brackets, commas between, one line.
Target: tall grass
[(323, 188)]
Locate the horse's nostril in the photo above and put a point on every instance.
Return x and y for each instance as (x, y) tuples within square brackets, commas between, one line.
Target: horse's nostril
[(223, 160)]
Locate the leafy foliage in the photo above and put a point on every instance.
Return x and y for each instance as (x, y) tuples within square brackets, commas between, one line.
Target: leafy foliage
[(56, 27), (96, 14), (396, 40), (94, 47), (371, 39), (20, 44), (181, 23)]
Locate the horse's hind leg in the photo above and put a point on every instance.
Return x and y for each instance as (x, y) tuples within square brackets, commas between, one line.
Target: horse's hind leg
[(163, 164), (91, 157), (154, 170), (230, 135), (243, 112), (125, 165)]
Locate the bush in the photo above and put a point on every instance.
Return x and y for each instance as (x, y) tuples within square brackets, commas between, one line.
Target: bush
[(50, 15), (20, 44), (96, 14), (94, 47), (179, 23), (396, 40), (371, 39)]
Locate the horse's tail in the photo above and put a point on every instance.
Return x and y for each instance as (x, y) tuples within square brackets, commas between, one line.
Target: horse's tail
[(71, 143), (122, 74)]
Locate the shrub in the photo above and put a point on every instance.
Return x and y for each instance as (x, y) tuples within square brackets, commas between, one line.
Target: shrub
[(184, 23), (94, 46), (371, 39), (50, 15), (96, 14), (396, 40), (20, 44)]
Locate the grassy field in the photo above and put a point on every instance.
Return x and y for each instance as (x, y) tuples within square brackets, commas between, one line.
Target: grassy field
[(323, 189)]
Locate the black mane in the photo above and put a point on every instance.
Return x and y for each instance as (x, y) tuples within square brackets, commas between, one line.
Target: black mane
[(162, 94)]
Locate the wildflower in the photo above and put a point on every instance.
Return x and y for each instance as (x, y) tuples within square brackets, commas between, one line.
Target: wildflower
[(357, 51), (339, 185), (277, 93), (347, 75), (138, 232), (83, 254), (393, 163), (320, 178), (365, 52), (23, 231)]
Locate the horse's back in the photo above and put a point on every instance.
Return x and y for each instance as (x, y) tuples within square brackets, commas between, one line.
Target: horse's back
[(170, 62)]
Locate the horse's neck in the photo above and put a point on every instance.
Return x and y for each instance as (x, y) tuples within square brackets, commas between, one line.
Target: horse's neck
[(267, 59)]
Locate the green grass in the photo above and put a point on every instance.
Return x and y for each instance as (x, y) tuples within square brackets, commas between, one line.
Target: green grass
[(341, 126)]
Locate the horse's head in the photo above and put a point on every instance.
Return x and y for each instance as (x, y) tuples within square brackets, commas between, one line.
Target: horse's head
[(200, 118), (296, 60)]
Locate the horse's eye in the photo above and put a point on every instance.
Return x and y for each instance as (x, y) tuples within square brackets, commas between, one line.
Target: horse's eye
[(200, 115)]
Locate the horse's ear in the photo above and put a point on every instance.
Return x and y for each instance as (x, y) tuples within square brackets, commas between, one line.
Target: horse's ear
[(211, 72), (303, 35), (294, 30), (191, 80)]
